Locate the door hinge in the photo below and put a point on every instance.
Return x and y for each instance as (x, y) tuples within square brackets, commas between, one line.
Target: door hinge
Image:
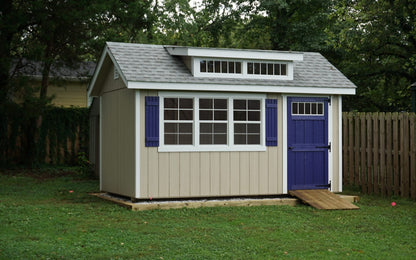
[(324, 185), (325, 146)]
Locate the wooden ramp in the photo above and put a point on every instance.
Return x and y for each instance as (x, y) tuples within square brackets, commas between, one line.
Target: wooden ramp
[(322, 199)]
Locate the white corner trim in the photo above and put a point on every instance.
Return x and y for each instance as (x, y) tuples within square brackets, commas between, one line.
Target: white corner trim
[(137, 143), (340, 143), (284, 145)]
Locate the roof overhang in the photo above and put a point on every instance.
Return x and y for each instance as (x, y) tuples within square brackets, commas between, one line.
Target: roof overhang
[(241, 88), (234, 53)]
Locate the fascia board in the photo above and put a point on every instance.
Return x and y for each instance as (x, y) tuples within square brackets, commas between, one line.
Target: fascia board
[(239, 88), (234, 54)]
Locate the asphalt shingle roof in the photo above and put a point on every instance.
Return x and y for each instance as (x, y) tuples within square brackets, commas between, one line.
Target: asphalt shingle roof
[(152, 63)]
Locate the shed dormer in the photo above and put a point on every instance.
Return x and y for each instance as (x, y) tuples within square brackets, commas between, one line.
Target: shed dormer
[(232, 63)]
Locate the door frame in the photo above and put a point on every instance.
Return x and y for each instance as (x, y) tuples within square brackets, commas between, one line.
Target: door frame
[(285, 130)]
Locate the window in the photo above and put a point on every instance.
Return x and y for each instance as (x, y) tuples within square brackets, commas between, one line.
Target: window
[(260, 68), (178, 116), (206, 122), (308, 108), (220, 66)]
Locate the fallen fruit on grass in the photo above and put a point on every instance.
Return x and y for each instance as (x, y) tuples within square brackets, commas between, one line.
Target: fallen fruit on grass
[(393, 204), (71, 191)]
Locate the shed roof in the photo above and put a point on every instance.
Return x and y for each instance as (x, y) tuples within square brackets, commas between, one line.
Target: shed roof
[(153, 64)]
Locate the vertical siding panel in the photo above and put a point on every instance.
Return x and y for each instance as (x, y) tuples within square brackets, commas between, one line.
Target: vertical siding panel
[(184, 174), (215, 173), (153, 172), (164, 175), (254, 172), (195, 174), (275, 184), (264, 173), (205, 179), (174, 174), (244, 173), (225, 173), (235, 173)]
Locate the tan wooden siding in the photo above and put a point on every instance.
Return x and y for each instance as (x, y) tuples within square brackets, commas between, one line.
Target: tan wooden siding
[(201, 174), (118, 138)]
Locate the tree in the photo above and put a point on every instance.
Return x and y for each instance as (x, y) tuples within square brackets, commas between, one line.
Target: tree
[(375, 46)]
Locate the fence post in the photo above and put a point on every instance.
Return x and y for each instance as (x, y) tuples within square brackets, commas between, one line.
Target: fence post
[(413, 90)]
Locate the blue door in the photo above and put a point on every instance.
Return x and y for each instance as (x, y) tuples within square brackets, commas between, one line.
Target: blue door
[(307, 143)]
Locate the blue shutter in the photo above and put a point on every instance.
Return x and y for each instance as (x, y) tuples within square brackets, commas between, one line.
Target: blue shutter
[(271, 122), (152, 121)]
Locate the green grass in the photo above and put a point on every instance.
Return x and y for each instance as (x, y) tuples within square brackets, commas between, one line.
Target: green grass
[(40, 218)]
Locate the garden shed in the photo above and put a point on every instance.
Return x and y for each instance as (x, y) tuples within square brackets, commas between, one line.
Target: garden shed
[(182, 122)]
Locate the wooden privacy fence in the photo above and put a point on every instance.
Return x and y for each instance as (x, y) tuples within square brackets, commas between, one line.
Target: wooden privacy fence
[(379, 153)]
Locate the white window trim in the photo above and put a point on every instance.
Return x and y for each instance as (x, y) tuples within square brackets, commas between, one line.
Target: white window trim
[(243, 75), (230, 133)]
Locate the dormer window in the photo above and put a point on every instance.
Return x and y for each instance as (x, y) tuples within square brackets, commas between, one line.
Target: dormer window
[(261, 68), (220, 66)]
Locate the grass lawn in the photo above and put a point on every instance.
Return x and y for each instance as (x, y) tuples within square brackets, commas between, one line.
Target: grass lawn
[(41, 218)]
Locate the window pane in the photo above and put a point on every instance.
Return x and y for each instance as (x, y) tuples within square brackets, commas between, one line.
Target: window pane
[(230, 67), (307, 108), (205, 115), (238, 67), (240, 116), (171, 114), (210, 66), (186, 114), (250, 68), (205, 138), (253, 139), (185, 128), (220, 139), (217, 66), (256, 68), (186, 103), (171, 103), (185, 139), (220, 103), (205, 128), (270, 69), (220, 128), (220, 115), (240, 128), (320, 109), (171, 128), (171, 139), (263, 68), (253, 128), (301, 108), (203, 66), (294, 108), (253, 115), (254, 104), (283, 69), (239, 139), (313, 108), (224, 67), (239, 104), (276, 69), (205, 103)]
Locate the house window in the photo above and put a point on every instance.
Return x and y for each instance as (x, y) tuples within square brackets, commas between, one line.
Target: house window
[(220, 66), (212, 122), (308, 108), (178, 116), (261, 68), (247, 121)]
